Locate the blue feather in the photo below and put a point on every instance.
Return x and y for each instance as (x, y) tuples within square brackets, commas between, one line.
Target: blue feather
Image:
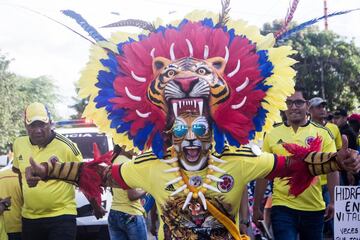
[(262, 86), (115, 118), (158, 145), (115, 123), (208, 22), (101, 101), (182, 23), (107, 93), (231, 140), (105, 79), (266, 67), (304, 25), (84, 24), (124, 127), (259, 119), (118, 113), (251, 135), (219, 139), (161, 29), (111, 64), (231, 33), (142, 136), (142, 37)]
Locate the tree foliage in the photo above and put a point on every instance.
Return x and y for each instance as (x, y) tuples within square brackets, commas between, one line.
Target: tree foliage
[(328, 65), (16, 93), (79, 107)]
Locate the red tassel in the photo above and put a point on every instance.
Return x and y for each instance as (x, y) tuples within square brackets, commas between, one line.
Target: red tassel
[(90, 181), (300, 177)]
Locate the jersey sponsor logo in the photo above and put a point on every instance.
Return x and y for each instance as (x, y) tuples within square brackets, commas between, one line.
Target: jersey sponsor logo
[(227, 184), (309, 140), (280, 141), (170, 188), (20, 158)]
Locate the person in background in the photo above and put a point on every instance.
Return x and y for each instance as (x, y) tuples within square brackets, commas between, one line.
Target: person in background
[(354, 122), (4, 205), (244, 221), (49, 211), (304, 214), (340, 119), (9, 186), (319, 115), (126, 217), (317, 109)]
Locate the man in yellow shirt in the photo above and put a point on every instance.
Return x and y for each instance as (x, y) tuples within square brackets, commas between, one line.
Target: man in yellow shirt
[(4, 205), (49, 211), (9, 186), (317, 109), (303, 215), (126, 217)]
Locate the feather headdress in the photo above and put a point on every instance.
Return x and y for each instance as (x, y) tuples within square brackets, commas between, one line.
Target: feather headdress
[(120, 71)]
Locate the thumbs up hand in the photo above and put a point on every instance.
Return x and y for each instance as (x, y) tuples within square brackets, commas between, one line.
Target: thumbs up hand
[(348, 159), (34, 173)]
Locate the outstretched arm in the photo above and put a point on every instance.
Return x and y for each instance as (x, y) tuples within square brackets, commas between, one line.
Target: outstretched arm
[(305, 163), (72, 172)]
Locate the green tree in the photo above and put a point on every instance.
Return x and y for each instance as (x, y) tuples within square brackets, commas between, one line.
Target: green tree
[(79, 107), (16, 92), (328, 65)]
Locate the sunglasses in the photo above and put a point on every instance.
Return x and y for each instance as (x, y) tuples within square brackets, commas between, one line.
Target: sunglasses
[(180, 130), (297, 102)]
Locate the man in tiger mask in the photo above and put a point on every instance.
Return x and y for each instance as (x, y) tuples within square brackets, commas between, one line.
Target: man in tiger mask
[(197, 93)]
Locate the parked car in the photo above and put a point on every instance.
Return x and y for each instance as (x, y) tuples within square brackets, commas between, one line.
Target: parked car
[(84, 135), (4, 160)]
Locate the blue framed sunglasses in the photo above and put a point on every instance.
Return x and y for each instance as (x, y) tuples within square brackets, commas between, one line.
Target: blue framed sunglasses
[(180, 130)]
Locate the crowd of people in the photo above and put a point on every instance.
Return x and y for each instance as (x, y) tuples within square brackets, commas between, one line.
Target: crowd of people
[(48, 211)]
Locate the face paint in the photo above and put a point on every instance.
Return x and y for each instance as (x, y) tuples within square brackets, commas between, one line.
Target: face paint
[(192, 138)]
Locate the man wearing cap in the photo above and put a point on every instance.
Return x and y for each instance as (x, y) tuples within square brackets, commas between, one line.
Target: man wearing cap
[(340, 119), (317, 109), (49, 211)]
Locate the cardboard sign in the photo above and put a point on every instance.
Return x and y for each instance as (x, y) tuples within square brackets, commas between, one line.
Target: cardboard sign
[(347, 213)]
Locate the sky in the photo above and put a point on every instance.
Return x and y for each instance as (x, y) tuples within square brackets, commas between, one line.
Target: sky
[(39, 46)]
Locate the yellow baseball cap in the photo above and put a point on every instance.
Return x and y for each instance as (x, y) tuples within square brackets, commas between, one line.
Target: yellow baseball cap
[(37, 112)]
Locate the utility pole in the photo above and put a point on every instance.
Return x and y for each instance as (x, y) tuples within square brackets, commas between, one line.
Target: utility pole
[(322, 80), (325, 14)]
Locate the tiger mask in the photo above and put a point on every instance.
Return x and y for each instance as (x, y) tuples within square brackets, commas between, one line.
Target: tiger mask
[(188, 85)]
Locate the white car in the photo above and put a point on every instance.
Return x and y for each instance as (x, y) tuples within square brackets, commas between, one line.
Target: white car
[(84, 137), (4, 160)]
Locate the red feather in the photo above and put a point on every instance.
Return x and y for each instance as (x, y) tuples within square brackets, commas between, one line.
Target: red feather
[(90, 180), (300, 175)]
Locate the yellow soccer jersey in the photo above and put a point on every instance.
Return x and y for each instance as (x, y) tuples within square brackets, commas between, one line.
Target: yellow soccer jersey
[(50, 198), (311, 199), (338, 143), (121, 201), (9, 186), (3, 234), (149, 173), (336, 133)]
